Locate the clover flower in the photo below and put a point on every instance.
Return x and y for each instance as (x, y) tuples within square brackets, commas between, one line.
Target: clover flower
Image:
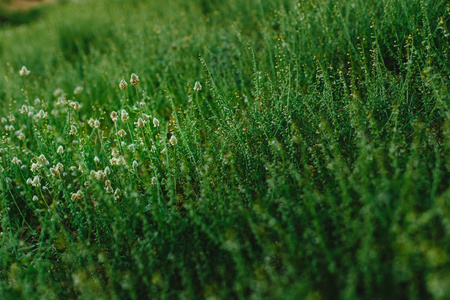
[(60, 150), (36, 182), (124, 115), (140, 122), (16, 161), (114, 115), (155, 122), (173, 140), (121, 133), (73, 130), (197, 86), (134, 80), (24, 71), (123, 85), (78, 90)]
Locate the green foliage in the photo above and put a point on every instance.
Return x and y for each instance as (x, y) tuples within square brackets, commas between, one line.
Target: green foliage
[(312, 164)]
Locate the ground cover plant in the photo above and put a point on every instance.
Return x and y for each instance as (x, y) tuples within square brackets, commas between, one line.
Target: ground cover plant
[(226, 149)]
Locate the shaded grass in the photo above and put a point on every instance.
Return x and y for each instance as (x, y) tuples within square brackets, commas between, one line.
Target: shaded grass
[(312, 164)]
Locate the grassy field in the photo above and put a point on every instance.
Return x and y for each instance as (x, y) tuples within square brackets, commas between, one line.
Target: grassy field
[(310, 161)]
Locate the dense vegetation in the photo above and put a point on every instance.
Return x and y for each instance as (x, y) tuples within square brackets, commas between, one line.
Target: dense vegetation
[(312, 163)]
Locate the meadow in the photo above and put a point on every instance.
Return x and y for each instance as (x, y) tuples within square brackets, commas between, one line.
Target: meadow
[(207, 149)]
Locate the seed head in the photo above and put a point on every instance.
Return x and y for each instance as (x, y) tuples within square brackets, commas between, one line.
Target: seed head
[(134, 80), (123, 84)]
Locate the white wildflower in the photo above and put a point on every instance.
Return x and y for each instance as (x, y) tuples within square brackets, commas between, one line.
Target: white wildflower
[(124, 115), (78, 90), (155, 122), (58, 92), (145, 117), (16, 161), (24, 71), (73, 130), (121, 133), (114, 115), (60, 150), (115, 152), (36, 181), (140, 123), (134, 80), (173, 140), (123, 85), (197, 86)]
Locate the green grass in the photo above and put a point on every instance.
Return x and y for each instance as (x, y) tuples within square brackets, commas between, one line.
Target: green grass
[(314, 163)]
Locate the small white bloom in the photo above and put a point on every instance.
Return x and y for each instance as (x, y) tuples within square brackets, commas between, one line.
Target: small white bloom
[(58, 92), (24, 71), (155, 122), (114, 115), (60, 150), (43, 159), (96, 123), (121, 133), (96, 159), (35, 198), (73, 130), (145, 117), (123, 85), (91, 122), (109, 189), (140, 123), (124, 115), (24, 110), (115, 152), (173, 140), (121, 161), (135, 164), (154, 180), (54, 172), (78, 90), (36, 181), (197, 86), (134, 80), (20, 135), (16, 161)]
